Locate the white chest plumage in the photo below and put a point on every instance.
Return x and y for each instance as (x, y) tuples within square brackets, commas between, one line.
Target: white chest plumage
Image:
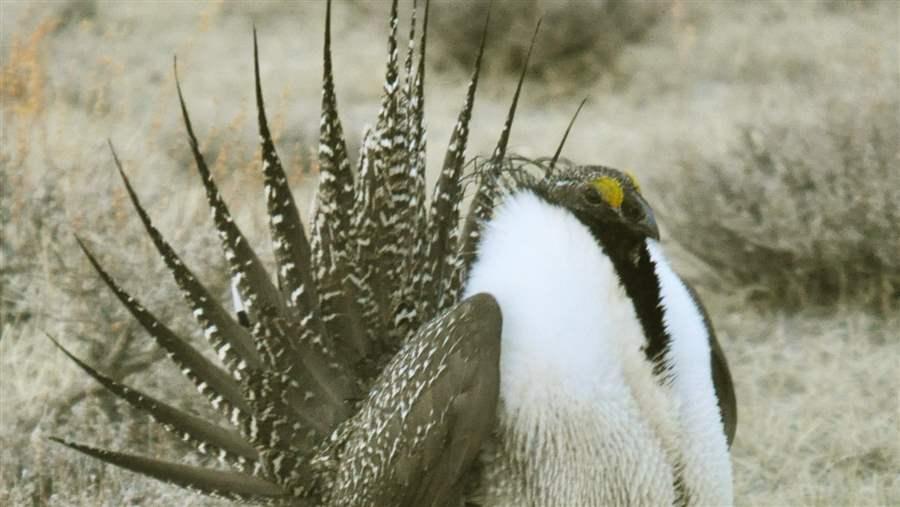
[(582, 420), (704, 452)]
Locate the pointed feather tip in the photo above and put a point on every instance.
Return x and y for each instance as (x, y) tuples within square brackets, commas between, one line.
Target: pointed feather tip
[(487, 18), (56, 342), (93, 452), (255, 50), (175, 73), (483, 43), (260, 103), (87, 450), (425, 21), (565, 137), (184, 112), (395, 17), (327, 26), (537, 29), (500, 150), (62, 441), (256, 55), (112, 150), (99, 377), (88, 254), (83, 449), (120, 168), (96, 264)]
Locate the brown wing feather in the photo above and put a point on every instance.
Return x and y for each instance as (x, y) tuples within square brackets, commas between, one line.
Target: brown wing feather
[(429, 414)]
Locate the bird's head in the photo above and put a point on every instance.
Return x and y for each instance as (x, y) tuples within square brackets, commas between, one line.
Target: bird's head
[(606, 200)]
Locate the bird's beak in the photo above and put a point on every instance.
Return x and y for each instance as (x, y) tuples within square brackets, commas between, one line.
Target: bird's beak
[(646, 222)]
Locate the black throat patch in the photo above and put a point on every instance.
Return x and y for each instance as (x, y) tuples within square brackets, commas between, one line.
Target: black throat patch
[(631, 259)]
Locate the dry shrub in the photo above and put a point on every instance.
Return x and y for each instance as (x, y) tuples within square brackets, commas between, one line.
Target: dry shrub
[(577, 41), (802, 212)]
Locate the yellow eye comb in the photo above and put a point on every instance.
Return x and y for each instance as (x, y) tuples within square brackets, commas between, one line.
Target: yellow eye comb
[(610, 191)]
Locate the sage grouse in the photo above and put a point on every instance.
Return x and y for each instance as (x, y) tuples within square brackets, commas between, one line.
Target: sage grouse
[(540, 351)]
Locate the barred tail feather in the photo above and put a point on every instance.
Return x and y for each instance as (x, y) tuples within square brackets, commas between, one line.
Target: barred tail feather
[(228, 485), (231, 341), (254, 284), (380, 191), (206, 437), (444, 211), (292, 252), (216, 384), (408, 315), (332, 218)]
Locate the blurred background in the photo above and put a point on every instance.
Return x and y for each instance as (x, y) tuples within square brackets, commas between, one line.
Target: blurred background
[(766, 135)]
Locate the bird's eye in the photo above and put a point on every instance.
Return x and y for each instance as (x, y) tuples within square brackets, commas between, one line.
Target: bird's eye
[(592, 197)]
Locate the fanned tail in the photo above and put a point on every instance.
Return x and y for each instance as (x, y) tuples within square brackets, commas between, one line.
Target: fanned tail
[(360, 311)]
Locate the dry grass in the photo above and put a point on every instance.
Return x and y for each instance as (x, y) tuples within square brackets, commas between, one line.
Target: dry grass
[(817, 387)]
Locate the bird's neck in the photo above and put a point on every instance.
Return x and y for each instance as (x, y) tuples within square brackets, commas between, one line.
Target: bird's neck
[(638, 275)]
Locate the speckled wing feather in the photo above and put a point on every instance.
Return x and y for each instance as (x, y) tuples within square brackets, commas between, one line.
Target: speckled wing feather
[(416, 436)]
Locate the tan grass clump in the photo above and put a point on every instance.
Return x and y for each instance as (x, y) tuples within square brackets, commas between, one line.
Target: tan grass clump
[(802, 211)]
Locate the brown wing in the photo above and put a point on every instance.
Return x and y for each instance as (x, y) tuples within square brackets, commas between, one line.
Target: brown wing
[(428, 415)]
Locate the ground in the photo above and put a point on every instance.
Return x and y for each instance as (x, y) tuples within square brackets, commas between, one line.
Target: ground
[(671, 99)]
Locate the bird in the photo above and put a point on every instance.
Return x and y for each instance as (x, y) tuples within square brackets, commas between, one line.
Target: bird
[(537, 350)]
